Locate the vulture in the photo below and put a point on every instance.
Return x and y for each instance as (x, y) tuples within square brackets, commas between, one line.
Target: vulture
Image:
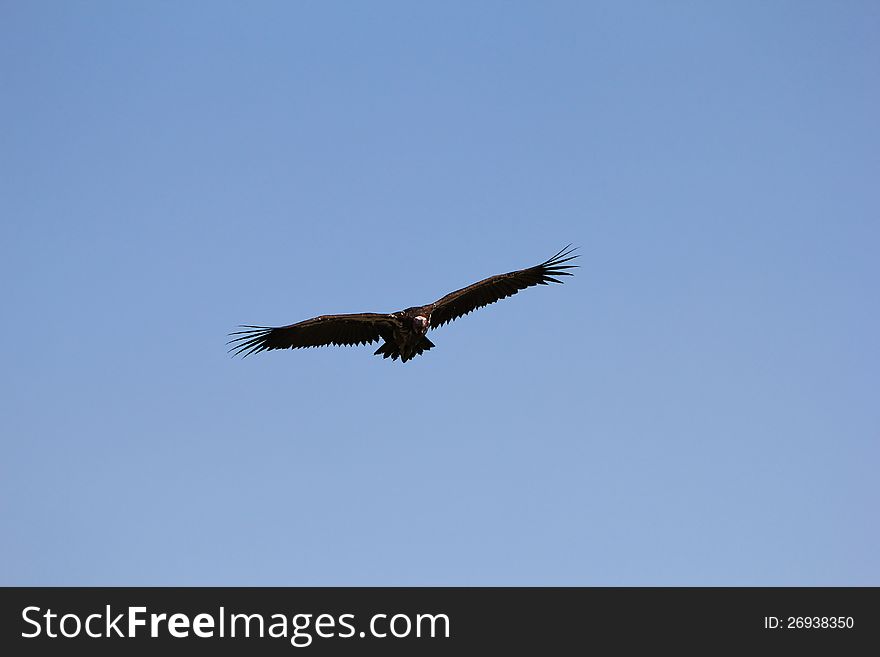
[(402, 333)]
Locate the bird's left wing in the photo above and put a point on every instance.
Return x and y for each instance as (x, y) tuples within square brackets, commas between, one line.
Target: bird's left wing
[(492, 289), (360, 328)]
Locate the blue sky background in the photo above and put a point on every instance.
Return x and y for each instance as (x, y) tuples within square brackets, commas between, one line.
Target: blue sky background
[(697, 406)]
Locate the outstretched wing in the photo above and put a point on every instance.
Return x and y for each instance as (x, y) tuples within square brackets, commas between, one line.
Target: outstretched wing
[(361, 328), (494, 288)]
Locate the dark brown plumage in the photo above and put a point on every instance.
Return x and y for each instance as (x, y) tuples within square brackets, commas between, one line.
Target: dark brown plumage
[(403, 332)]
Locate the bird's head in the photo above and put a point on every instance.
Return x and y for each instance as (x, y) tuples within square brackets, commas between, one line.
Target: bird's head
[(420, 324)]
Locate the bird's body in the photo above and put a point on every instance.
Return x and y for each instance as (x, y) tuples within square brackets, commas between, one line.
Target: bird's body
[(408, 337), (402, 332)]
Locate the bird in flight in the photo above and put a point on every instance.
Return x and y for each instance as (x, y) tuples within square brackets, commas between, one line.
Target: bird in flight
[(403, 332)]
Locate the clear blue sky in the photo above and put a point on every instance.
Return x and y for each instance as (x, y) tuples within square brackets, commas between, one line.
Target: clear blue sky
[(697, 406)]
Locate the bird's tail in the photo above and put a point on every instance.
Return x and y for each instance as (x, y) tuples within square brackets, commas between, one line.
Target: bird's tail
[(390, 349)]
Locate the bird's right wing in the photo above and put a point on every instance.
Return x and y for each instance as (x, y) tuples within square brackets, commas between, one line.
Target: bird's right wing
[(360, 328)]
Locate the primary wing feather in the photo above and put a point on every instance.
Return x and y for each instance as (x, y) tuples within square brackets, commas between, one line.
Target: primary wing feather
[(360, 328), (492, 289)]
